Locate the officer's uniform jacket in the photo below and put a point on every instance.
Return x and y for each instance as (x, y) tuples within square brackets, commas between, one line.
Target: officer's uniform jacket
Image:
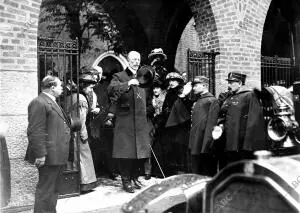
[(242, 116), (204, 117)]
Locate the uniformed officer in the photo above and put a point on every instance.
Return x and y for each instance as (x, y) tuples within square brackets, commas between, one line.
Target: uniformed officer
[(204, 116), (240, 127)]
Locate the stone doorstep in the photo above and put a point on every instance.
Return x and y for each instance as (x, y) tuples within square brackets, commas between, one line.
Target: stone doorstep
[(15, 209), (104, 199)]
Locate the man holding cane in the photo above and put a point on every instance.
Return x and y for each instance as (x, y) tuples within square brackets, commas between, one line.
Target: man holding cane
[(130, 105)]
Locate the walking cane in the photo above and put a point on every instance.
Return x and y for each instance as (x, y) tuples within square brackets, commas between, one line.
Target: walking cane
[(157, 161)]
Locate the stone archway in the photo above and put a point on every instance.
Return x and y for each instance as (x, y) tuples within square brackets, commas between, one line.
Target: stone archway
[(189, 40), (109, 62), (237, 36)]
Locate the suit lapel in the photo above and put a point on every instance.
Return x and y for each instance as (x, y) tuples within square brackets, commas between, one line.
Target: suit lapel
[(56, 107)]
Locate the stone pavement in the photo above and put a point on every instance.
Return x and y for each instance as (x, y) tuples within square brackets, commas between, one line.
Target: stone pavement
[(108, 197)]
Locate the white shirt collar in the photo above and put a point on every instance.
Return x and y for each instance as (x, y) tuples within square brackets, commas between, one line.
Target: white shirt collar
[(132, 70), (50, 96)]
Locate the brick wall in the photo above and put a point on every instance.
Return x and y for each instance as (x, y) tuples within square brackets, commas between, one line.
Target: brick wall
[(189, 40), (233, 28), (18, 76)]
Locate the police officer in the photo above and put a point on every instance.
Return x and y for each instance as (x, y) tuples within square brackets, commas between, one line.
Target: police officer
[(240, 129), (204, 117)]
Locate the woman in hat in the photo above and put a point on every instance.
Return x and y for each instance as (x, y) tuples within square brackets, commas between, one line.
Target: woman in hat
[(157, 59), (157, 101), (88, 176), (175, 135), (159, 95)]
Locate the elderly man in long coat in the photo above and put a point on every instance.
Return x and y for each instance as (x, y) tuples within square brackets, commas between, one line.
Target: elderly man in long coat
[(130, 105)]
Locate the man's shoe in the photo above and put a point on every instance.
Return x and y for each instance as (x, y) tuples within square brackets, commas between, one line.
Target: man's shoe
[(137, 184), (147, 177), (127, 186), (113, 176)]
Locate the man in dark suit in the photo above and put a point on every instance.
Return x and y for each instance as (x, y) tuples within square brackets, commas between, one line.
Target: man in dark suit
[(130, 105), (48, 148)]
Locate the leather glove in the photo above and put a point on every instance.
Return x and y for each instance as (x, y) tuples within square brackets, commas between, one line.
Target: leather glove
[(217, 132), (187, 88)]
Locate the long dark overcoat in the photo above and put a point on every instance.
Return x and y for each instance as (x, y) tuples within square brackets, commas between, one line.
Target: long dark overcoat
[(242, 116), (176, 123), (204, 117), (132, 127)]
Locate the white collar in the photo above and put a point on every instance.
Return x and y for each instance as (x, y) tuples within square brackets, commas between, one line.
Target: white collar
[(132, 70), (50, 96)]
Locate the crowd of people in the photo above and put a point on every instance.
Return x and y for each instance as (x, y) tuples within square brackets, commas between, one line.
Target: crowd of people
[(169, 127)]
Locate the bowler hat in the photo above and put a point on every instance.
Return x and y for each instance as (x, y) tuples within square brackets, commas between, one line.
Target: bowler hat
[(157, 52), (87, 78), (200, 79), (233, 76)]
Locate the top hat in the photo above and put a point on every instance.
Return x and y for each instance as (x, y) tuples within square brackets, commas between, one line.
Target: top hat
[(145, 75), (233, 76), (200, 79), (157, 52), (87, 78), (175, 76)]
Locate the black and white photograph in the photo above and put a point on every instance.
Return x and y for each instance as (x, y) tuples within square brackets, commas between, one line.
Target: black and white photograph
[(150, 106)]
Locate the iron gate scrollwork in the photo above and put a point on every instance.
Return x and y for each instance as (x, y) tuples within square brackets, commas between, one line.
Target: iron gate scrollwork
[(277, 71), (61, 59), (202, 63)]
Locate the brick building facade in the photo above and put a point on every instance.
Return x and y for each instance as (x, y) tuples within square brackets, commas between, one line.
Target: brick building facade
[(232, 27)]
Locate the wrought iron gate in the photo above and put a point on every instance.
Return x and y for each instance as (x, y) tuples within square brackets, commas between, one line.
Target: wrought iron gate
[(61, 59), (202, 63), (277, 71)]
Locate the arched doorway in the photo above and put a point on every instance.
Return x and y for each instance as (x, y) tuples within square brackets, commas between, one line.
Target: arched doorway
[(110, 62), (280, 40)]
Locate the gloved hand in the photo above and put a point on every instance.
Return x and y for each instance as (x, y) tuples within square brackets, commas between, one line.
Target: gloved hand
[(133, 82), (109, 121), (187, 88), (217, 132), (96, 110), (39, 162)]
